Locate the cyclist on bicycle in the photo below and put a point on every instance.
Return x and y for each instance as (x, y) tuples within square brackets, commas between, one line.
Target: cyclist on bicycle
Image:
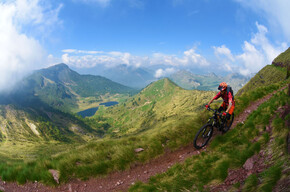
[(229, 102)]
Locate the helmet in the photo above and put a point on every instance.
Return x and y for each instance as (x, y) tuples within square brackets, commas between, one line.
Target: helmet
[(222, 86)]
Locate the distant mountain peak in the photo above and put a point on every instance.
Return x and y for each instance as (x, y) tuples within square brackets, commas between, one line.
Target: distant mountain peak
[(212, 74), (59, 66)]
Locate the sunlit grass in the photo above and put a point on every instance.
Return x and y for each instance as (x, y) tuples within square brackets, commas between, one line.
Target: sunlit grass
[(229, 151), (109, 154)]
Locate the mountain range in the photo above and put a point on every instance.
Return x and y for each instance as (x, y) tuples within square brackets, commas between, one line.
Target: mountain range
[(188, 80), (64, 89), (140, 77)]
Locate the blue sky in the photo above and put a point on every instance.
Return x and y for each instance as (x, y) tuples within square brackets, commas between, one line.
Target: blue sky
[(221, 36)]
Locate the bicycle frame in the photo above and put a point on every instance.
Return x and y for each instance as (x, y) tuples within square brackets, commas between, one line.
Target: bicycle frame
[(219, 121), (216, 120)]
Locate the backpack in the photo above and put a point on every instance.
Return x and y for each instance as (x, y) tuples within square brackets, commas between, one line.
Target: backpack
[(229, 89)]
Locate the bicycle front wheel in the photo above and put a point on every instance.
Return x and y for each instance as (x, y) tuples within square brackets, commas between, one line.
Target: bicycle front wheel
[(203, 136)]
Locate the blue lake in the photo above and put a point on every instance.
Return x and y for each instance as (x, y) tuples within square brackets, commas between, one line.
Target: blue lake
[(91, 111), (110, 103)]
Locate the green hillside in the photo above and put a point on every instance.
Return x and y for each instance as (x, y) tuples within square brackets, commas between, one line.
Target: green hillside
[(162, 117), (269, 75), (248, 139), (64, 89), (230, 152), (161, 104), (153, 118), (283, 60)]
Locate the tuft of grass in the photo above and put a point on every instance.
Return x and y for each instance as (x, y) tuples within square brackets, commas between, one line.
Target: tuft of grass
[(270, 177), (251, 184), (221, 172), (265, 138)]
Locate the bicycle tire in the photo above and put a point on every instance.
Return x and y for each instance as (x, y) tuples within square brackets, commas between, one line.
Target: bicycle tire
[(229, 124), (204, 133)]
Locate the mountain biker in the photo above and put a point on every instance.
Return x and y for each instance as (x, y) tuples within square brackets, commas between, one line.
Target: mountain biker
[(229, 103)]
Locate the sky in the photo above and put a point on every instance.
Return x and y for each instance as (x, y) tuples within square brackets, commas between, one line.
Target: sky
[(221, 36)]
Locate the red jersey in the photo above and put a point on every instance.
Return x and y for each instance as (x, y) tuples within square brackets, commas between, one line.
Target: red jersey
[(227, 97)]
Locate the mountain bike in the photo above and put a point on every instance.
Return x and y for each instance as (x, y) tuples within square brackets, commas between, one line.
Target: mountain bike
[(218, 121)]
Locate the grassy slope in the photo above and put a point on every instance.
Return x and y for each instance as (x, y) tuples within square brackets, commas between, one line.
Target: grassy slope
[(231, 151), (270, 74), (234, 148), (159, 105), (283, 58), (109, 154), (28, 133)]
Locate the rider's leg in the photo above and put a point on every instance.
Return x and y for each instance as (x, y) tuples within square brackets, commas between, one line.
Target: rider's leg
[(231, 111)]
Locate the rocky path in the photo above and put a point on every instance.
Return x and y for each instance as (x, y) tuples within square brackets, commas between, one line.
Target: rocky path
[(121, 181)]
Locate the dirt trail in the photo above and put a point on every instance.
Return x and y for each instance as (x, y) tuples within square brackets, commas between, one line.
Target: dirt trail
[(121, 181)]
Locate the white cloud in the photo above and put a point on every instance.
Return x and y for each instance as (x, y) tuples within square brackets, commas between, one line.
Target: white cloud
[(257, 53), (162, 73), (75, 51), (275, 12), (252, 59), (93, 58), (21, 53), (190, 58), (223, 50), (110, 59)]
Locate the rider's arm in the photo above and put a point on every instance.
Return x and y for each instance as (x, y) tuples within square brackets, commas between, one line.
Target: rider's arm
[(229, 107), (214, 98), (210, 101)]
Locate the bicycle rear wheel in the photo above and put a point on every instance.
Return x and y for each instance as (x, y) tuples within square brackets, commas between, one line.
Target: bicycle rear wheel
[(203, 136), (228, 123)]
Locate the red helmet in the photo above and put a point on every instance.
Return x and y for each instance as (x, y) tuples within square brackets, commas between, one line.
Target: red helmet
[(222, 86)]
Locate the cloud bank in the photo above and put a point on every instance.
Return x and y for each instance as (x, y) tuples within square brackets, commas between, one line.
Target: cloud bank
[(257, 53), (21, 53), (89, 59)]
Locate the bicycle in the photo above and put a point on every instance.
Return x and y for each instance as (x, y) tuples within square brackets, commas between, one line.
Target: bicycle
[(205, 132)]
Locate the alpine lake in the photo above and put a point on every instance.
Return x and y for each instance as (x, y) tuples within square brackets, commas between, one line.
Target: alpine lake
[(91, 111)]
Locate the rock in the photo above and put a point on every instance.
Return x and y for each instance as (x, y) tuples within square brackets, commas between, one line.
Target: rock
[(249, 164), (138, 150), (268, 128), (55, 175), (69, 188), (119, 183)]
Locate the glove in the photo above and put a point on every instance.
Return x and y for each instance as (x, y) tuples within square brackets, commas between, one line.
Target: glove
[(224, 113), (206, 106), (228, 116)]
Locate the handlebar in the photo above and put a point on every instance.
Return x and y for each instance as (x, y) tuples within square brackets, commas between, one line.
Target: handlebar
[(210, 109), (214, 110)]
